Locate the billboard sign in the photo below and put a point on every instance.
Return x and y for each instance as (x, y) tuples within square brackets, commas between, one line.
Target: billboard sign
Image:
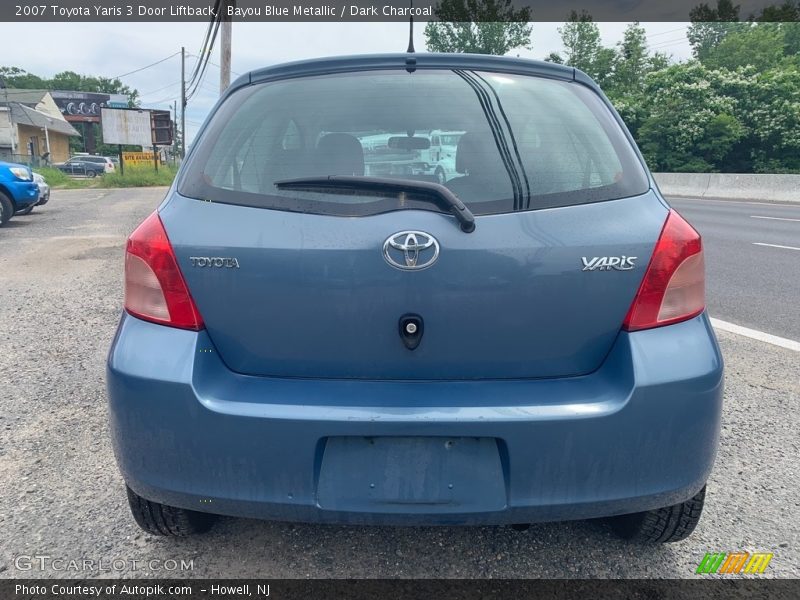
[(163, 131), (139, 158), (127, 127), (117, 101), (80, 106)]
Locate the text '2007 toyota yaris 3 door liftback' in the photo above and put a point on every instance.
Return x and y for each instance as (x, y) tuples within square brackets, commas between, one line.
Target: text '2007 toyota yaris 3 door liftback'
[(317, 329)]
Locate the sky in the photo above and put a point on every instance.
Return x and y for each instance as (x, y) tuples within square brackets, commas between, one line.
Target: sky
[(114, 49)]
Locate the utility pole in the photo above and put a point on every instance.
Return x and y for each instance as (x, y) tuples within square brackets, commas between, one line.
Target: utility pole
[(175, 126), (8, 113), (226, 27), (183, 102)]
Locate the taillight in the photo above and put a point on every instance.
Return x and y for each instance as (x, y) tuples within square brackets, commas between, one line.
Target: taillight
[(154, 287), (673, 288)]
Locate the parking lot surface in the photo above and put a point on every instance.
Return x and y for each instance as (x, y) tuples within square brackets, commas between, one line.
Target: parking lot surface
[(62, 496)]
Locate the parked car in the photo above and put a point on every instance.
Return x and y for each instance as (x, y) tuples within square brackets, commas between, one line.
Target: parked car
[(44, 189), (18, 191), (44, 194), (90, 166), (303, 342)]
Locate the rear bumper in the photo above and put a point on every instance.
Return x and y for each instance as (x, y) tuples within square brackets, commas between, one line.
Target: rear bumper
[(641, 432)]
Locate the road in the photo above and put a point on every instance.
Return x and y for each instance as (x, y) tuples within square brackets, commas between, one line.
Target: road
[(752, 261), (62, 495)]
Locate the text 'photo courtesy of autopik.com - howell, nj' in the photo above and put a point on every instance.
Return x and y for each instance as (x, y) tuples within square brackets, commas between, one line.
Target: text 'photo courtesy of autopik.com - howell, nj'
[(451, 299)]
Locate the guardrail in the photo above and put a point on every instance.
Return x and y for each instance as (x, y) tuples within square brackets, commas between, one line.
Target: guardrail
[(738, 186)]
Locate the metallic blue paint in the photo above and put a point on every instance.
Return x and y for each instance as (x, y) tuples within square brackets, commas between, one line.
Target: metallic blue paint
[(22, 193), (583, 420), (639, 433), (506, 301)]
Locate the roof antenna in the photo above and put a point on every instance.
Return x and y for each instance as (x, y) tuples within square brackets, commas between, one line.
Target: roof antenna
[(411, 61), (411, 28)]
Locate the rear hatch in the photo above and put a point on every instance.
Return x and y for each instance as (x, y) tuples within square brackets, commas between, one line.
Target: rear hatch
[(296, 282), (313, 296)]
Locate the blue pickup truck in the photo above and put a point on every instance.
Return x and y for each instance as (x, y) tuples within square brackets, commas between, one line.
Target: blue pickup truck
[(18, 190)]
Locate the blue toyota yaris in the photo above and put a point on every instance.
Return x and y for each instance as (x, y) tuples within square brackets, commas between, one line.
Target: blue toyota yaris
[(317, 329)]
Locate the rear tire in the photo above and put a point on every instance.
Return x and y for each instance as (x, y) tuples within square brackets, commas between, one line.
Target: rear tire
[(160, 519), (662, 525), (6, 209), (91, 174)]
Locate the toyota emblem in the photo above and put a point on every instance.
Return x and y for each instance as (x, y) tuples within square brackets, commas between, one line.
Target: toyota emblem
[(411, 250)]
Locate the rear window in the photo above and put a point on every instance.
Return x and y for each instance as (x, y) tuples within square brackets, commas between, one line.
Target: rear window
[(500, 142)]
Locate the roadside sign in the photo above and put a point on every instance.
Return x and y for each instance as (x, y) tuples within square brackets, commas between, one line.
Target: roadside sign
[(138, 158), (127, 127)]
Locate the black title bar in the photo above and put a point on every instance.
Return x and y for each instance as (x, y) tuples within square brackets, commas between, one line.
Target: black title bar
[(336, 10), (371, 589)]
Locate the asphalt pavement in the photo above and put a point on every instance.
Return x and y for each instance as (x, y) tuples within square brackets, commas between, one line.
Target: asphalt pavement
[(752, 261), (62, 496)]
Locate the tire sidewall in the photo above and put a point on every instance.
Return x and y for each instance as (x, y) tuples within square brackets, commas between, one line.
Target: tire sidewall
[(6, 209)]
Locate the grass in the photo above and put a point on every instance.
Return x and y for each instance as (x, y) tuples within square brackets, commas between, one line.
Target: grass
[(139, 176), (58, 179)]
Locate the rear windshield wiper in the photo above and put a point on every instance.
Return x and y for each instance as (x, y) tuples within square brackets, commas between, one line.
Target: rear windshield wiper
[(428, 190)]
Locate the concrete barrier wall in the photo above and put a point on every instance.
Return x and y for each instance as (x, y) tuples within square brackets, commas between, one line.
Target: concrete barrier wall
[(779, 188)]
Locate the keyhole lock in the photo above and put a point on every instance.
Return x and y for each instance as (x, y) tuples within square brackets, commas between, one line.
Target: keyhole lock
[(411, 329)]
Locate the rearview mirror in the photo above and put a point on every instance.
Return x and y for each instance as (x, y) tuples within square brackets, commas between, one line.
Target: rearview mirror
[(401, 142)]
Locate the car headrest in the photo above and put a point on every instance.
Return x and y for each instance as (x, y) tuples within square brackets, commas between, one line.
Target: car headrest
[(477, 153), (339, 154)]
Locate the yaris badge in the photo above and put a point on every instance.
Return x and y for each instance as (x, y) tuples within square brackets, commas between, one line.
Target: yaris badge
[(606, 263), (411, 250)]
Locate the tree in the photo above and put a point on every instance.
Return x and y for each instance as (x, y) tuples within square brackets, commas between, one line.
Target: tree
[(479, 26), (582, 48), (581, 39), (14, 77), (760, 45), (734, 121), (710, 26), (67, 80), (690, 126), (633, 60)]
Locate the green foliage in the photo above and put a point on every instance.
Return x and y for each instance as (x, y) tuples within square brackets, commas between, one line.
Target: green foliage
[(737, 109), (701, 119), (710, 26), (67, 80), (56, 178), (761, 46), (14, 77), (479, 26), (581, 39), (140, 176)]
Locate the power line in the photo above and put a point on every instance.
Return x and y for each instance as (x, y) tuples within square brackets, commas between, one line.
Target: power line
[(207, 57), (158, 62), (160, 89), (684, 28), (666, 43), (212, 63), (164, 100), (205, 51)]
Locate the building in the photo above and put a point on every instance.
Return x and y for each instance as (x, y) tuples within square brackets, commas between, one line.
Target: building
[(32, 127)]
